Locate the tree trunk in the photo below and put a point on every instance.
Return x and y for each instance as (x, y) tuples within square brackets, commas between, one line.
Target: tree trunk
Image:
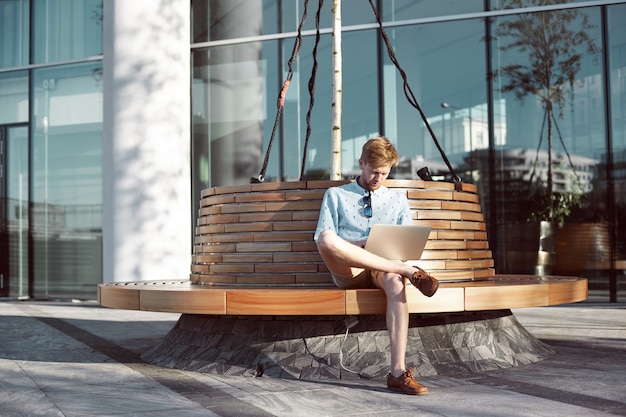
[(335, 164)]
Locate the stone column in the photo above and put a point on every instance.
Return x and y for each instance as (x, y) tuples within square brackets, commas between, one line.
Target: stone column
[(146, 139)]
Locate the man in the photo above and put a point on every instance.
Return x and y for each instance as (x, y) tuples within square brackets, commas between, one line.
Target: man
[(346, 216)]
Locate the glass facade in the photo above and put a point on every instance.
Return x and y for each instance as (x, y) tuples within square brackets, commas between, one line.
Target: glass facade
[(533, 117), (51, 127)]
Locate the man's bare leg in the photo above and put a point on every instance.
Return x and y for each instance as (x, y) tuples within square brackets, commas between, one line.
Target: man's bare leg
[(397, 316), (343, 257)]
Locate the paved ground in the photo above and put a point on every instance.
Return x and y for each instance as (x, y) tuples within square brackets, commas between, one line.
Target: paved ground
[(77, 359)]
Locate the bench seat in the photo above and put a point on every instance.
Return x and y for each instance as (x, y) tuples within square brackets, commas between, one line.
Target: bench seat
[(183, 296)]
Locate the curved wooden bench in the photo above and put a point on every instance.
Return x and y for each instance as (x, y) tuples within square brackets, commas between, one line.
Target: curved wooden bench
[(260, 301), (254, 254), (496, 293)]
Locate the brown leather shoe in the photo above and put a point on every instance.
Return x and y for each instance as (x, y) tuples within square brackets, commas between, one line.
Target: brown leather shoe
[(424, 282), (406, 384)]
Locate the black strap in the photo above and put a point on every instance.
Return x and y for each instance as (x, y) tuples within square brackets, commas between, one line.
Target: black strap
[(283, 92), (311, 87), (411, 97)]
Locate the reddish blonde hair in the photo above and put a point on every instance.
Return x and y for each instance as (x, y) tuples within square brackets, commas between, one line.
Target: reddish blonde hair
[(378, 152)]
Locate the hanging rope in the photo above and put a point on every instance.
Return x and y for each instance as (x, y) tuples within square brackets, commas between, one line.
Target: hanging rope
[(283, 93), (411, 97), (311, 87)]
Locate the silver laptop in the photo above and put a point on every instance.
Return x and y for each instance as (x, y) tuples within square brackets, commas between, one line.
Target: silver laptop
[(398, 242)]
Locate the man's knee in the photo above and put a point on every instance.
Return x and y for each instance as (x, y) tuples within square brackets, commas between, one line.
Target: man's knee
[(390, 282)]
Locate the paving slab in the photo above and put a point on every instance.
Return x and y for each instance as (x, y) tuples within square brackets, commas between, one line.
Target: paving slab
[(78, 359)]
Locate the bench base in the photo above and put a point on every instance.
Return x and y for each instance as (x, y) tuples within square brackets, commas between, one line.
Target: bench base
[(317, 347)]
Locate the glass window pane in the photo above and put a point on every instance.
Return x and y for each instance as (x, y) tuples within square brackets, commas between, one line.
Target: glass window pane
[(549, 87), (14, 33), (229, 110), (67, 182), (352, 13), (411, 9), (227, 19), (17, 180), (66, 30), (13, 97), (446, 75), (235, 106), (617, 59), (515, 4), (360, 109)]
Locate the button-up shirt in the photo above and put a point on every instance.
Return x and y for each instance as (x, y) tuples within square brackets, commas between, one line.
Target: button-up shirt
[(342, 211)]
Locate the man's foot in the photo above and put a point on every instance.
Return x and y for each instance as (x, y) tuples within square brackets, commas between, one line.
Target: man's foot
[(406, 383), (422, 280)]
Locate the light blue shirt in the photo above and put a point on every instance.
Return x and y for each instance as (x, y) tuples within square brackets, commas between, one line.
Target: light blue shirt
[(342, 211)]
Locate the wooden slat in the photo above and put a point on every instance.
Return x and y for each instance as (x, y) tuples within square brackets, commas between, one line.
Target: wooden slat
[(121, 297), (306, 215), (231, 268), (217, 199), (294, 205), (506, 296), (233, 189), (305, 195), (233, 237), (264, 247), (246, 208), (283, 237), (249, 227), (266, 217), (260, 280), (286, 302), (222, 218), (439, 215), (200, 259), (295, 226), (568, 292), (460, 205), (425, 204), (280, 268), (219, 248), (248, 257), (256, 197), (297, 257), (184, 301)]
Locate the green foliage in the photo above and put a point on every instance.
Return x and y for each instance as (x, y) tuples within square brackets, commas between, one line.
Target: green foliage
[(553, 206)]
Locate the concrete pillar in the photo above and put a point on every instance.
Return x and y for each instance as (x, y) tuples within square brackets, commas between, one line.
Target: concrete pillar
[(146, 140)]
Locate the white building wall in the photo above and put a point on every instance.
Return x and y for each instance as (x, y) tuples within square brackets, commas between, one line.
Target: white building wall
[(146, 138)]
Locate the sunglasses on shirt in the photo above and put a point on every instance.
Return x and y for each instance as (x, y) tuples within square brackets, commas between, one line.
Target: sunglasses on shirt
[(367, 204)]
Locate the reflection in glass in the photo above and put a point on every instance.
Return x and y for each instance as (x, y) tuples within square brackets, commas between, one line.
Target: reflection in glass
[(447, 76), (14, 33), (17, 210), (213, 20), (617, 59), (549, 79), (13, 97), (66, 29), (67, 180), (411, 9)]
